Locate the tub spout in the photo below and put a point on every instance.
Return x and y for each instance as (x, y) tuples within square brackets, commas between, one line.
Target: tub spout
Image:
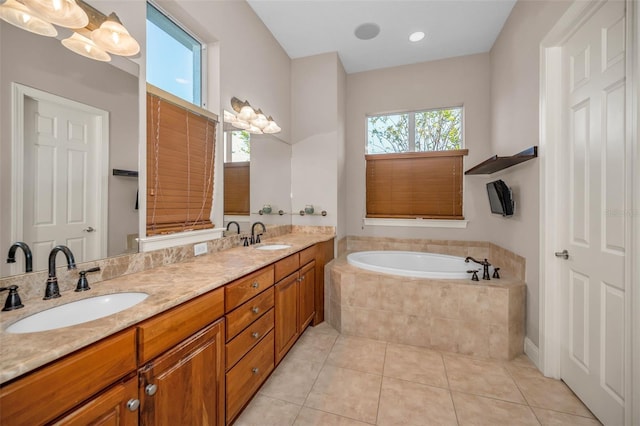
[(485, 264)]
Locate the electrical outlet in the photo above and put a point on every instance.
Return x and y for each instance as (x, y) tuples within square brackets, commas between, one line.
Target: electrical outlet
[(199, 249)]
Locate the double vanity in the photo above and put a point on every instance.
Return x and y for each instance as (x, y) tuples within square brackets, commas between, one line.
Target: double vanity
[(194, 351)]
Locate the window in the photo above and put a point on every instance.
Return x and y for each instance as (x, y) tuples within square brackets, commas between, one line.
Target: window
[(431, 130), (237, 172), (174, 58), (414, 165)]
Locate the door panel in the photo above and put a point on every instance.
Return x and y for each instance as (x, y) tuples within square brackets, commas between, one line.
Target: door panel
[(595, 230)]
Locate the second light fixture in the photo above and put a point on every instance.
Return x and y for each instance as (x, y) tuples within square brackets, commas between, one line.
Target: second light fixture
[(250, 119)]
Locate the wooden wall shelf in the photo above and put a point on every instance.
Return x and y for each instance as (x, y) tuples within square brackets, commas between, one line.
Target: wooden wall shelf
[(495, 163)]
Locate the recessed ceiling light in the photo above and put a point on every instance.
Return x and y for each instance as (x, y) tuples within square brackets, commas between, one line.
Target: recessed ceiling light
[(417, 36), (367, 31)]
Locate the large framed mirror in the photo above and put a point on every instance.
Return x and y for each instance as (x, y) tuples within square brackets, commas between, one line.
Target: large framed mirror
[(69, 150)]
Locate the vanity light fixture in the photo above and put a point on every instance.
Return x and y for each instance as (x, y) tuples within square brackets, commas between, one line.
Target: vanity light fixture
[(20, 16), (95, 34), (249, 119)]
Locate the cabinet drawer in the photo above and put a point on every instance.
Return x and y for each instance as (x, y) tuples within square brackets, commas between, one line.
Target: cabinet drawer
[(47, 393), (246, 377), (165, 330), (307, 255), (286, 266), (248, 338), (238, 292), (247, 313)]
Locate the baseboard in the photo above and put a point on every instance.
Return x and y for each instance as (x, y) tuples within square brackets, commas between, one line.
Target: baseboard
[(532, 352)]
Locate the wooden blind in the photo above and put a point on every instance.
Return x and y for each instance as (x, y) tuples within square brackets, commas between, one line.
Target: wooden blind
[(236, 187), (180, 165), (417, 184)]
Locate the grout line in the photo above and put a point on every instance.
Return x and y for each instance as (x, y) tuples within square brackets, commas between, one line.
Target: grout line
[(384, 361)]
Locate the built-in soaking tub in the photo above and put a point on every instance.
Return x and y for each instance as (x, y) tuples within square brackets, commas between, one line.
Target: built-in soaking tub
[(414, 264), (425, 299)]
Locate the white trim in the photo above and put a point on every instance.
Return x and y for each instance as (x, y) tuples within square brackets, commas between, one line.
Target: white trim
[(531, 350), (158, 242), (18, 93), (416, 223)]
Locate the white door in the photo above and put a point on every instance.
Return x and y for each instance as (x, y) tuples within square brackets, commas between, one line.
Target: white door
[(62, 174), (594, 182)]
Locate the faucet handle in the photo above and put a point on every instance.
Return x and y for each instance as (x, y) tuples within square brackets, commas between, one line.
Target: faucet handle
[(13, 299), (245, 241), (83, 284), (495, 273), (474, 276), (258, 238)]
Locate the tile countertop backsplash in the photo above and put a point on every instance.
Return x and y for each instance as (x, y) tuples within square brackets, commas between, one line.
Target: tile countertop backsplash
[(167, 286)]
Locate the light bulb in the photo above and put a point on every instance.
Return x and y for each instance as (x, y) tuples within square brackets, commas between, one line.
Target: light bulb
[(65, 13), (85, 47), (20, 16), (113, 37)]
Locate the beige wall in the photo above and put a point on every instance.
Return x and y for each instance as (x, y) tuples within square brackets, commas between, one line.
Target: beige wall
[(317, 134), (450, 82), (43, 63), (514, 127)]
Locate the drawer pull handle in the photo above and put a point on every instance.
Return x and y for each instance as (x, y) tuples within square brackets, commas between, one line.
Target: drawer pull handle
[(151, 389), (133, 404), (255, 309), (255, 285), (255, 334), (255, 370)]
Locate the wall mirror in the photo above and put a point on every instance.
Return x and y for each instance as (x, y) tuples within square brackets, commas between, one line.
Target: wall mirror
[(66, 194), (257, 177)]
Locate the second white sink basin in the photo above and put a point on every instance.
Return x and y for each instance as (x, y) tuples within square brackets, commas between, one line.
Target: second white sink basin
[(77, 312), (273, 247)]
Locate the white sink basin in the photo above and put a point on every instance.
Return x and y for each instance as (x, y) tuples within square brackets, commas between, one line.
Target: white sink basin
[(273, 247), (77, 312)]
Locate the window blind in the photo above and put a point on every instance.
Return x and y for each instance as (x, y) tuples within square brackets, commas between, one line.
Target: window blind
[(415, 185), (180, 164), (236, 187)]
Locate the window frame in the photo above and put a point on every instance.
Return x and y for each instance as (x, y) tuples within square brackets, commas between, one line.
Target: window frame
[(202, 66)]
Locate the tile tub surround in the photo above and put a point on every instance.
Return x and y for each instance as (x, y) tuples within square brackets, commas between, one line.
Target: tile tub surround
[(509, 263), (484, 319), (168, 285)]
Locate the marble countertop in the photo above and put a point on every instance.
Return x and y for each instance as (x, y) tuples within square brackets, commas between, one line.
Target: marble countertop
[(167, 286)]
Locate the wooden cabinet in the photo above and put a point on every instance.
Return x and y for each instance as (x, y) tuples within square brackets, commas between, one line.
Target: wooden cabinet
[(186, 384), (49, 392), (116, 406), (306, 292), (286, 315)]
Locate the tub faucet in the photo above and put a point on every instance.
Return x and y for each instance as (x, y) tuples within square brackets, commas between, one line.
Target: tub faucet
[(28, 258), (236, 223), (52, 291), (485, 264), (256, 238)]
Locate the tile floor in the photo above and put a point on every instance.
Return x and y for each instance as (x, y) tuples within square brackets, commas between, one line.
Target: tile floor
[(332, 379)]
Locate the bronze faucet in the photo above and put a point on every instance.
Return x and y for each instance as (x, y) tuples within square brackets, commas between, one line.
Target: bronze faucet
[(485, 264), (52, 291), (28, 259)]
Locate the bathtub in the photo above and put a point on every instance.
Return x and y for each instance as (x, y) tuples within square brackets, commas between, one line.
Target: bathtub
[(414, 264)]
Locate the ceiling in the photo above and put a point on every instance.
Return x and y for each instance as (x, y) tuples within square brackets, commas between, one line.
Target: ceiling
[(453, 28)]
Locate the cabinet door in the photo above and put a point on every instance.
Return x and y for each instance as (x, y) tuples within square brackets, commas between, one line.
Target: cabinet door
[(186, 384), (307, 298), (117, 406), (286, 320)]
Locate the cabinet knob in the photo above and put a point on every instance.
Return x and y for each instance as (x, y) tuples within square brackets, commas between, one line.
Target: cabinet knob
[(255, 370), (151, 389), (255, 285), (133, 404), (255, 309), (255, 334)]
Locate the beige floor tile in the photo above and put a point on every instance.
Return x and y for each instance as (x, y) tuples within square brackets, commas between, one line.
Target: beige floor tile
[(347, 393), (311, 417), (292, 380), (408, 403), (554, 418), (313, 347), (265, 411), (415, 365), (358, 353), (543, 392), (481, 377), (481, 411)]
